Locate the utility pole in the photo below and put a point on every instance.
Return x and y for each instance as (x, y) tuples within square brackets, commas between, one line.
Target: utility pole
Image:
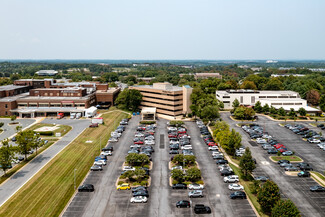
[(74, 172)]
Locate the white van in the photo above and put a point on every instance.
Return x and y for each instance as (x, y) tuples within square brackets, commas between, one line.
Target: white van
[(72, 115)]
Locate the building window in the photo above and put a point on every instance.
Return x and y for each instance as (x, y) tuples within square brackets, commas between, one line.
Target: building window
[(45, 94), (6, 105), (51, 94), (6, 113), (253, 99), (58, 94), (226, 97), (262, 97), (241, 99)]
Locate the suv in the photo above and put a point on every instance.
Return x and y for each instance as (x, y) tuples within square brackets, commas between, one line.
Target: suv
[(238, 194), (233, 178), (195, 193), (200, 208), (183, 204)]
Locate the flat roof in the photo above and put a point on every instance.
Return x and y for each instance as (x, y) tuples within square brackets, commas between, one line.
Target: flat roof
[(296, 108), (110, 90), (63, 98), (256, 92), (283, 99), (13, 98), (171, 88), (148, 110), (47, 109), (65, 88), (11, 87)]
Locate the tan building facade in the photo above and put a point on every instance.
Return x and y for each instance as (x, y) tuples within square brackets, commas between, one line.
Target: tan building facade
[(166, 98)]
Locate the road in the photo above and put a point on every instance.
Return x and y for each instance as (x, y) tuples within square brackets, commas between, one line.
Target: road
[(10, 130), (8, 188), (309, 204)]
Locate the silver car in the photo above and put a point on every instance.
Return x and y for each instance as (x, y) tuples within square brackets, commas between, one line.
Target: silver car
[(195, 193)]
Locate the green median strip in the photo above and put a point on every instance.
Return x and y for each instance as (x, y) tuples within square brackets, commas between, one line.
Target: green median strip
[(289, 158), (49, 191)]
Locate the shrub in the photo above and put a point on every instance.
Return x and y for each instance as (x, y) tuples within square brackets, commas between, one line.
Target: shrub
[(144, 183), (46, 133), (1, 124), (174, 182), (146, 166), (200, 182), (135, 183), (176, 123), (120, 182), (147, 122)]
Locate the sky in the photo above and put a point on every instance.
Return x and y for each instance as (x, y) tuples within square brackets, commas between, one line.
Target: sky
[(162, 29)]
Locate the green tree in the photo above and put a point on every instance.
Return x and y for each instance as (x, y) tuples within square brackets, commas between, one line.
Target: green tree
[(18, 128), (266, 108), (221, 105), (13, 117), (268, 196), (282, 112), (189, 159), (178, 175), (273, 110), (135, 159), (140, 174), (292, 112), (274, 84), (249, 113), (129, 99), (210, 113), (258, 107), (302, 111), (285, 208), (322, 103), (194, 108), (128, 174), (248, 85), (230, 141), (179, 159), (25, 141), (7, 154), (246, 164), (193, 174), (37, 142), (235, 103), (1, 124)]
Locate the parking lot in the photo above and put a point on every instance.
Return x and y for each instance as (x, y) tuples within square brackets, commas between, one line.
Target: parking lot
[(107, 201), (309, 203)]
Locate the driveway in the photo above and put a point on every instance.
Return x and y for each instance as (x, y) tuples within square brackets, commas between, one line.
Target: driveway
[(13, 184), (10, 130)]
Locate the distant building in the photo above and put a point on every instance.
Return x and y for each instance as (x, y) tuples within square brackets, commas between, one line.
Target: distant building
[(145, 79), (46, 72), (207, 75), (286, 99), (167, 99), (285, 75), (271, 61)]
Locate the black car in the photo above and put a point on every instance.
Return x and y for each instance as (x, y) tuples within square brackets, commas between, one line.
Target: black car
[(221, 162), (108, 148), (238, 194), (303, 174), (283, 161), (139, 188), (317, 188), (13, 139), (320, 125), (173, 152), (179, 186), (86, 188), (306, 168), (272, 151), (218, 157), (174, 147), (140, 193), (226, 172), (201, 209), (183, 204), (21, 158)]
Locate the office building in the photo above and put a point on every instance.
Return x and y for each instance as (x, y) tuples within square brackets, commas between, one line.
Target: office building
[(167, 99)]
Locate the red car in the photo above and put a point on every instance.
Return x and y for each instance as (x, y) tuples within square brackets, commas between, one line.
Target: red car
[(212, 144), (277, 146), (282, 149), (181, 131), (172, 136), (139, 142)]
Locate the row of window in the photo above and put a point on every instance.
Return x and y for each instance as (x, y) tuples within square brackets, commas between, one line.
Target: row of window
[(171, 100), (52, 105), (162, 104), (164, 94)]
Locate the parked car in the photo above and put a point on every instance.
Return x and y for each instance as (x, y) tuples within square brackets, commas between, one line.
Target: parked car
[(93, 125), (303, 174), (283, 161), (96, 168), (238, 194), (183, 204), (139, 199), (201, 209), (213, 148), (221, 162), (232, 178), (173, 152), (140, 193), (124, 186), (195, 193), (179, 186), (317, 188), (107, 153), (86, 188), (261, 178), (235, 186), (291, 168), (139, 188), (226, 172), (195, 186), (272, 151), (128, 168), (287, 153)]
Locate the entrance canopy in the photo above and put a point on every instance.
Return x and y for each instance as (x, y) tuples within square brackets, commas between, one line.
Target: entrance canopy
[(148, 113)]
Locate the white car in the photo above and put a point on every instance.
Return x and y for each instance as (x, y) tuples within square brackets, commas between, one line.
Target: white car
[(187, 147), (138, 135), (236, 187), (149, 142), (128, 168), (139, 199), (100, 163), (15, 161), (232, 178), (113, 139), (216, 153), (213, 148), (106, 153), (321, 145), (224, 166), (260, 141), (177, 167), (315, 141), (135, 146), (116, 134), (172, 142), (151, 137), (172, 128), (195, 186)]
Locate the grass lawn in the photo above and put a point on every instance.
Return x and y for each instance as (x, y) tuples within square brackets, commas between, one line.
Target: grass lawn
[(247, 185), (289, 158), (63, 129), (322, 177), (20, 165), (49, 191)]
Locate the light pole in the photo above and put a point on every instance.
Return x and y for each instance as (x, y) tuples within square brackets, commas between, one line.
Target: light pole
[(74, 172), (100, 144)]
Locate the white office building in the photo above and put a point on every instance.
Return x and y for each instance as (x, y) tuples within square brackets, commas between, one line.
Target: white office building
[(286, 99)]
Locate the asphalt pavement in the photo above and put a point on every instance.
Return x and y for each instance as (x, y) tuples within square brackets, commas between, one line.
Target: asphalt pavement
[(10, 130), (8, 188), (290, 187)]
